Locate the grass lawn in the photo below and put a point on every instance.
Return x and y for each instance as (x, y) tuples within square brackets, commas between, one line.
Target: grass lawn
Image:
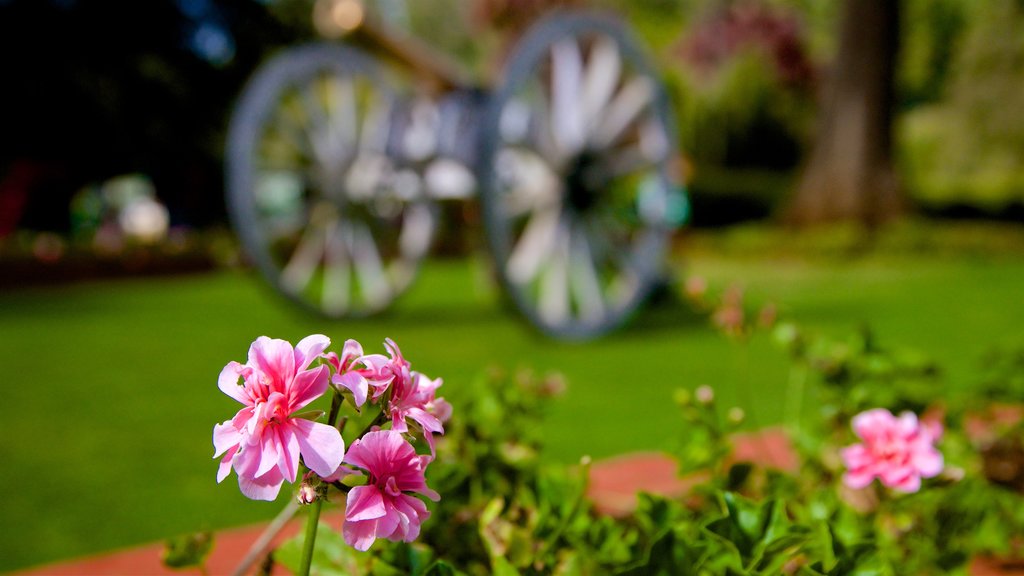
[(112, 397)]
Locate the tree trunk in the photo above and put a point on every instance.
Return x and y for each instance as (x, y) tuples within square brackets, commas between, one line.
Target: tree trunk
[(850, 174)]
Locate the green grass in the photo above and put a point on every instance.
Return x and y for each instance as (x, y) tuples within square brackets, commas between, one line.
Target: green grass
[(111, 390)]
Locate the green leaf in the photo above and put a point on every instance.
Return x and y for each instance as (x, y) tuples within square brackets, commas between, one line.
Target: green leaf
[(440, 568), (331, 555), (501, 567), (313, 415), (188, 550)]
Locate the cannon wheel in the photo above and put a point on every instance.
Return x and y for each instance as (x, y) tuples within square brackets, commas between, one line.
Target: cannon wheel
[(315, 191), (577, 198)]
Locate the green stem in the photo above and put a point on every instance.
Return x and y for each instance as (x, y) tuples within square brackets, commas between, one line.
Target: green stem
[(313, 519), (795, 396), (336, 401), (380, 419), (307, 545)]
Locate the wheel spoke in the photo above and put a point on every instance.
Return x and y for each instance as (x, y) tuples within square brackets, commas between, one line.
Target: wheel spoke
[(654, 141), (342, 110), (369, 267), (526, 122), (566, 117), (629, 161), (418, 227), (292, 133), (533, 184), (298, 272), (585, 282), (326, 147), (373, 131), (336, 288), (601, 77), (534, 245), (624, 110), (553, 301)]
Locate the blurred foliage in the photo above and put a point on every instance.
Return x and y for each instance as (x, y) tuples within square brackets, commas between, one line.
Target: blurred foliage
[(744, 87), (742, 79), (931, 35), (969, 146), (913, 239)]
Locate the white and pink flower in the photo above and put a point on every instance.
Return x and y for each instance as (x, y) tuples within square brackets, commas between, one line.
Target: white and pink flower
[(359, 373), (899, 451), (265, 439), (384, 507), (413, 396)]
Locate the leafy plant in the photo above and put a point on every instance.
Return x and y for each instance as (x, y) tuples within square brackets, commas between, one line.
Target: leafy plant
[(506, 513)]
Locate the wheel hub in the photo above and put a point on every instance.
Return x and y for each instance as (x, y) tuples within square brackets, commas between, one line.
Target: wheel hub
[(583, 182)]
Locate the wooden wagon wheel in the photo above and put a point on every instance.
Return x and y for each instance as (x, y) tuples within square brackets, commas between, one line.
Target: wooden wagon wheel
[(317, 186), (577, 198)]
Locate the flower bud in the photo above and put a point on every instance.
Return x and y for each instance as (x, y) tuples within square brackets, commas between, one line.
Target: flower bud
[(705, 394), (736, 415), (307, 494), (311, 489)]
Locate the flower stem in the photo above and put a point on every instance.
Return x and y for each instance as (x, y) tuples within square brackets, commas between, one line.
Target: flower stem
[(259, 548), (336, 401), (795, 396), (377, 421), (307, 545)]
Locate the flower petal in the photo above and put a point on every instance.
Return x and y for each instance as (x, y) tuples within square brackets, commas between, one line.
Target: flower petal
[(350, 351), (391, 521), (415, 512), (225, 464), (360, 535), (364, 503), (857, 479), (288, 462), (309, 348), (378, 452), (910, 483), (928, 462), (355, 383), (270, 452), (321, 445), (307, 386), (228, 382), (224, 437), (340, 473), (276, 359), (266, 488), (856, 456), (426, 420), (868, 424)]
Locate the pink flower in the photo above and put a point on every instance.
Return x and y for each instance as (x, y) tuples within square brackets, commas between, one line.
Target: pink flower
[(383, 508), (358, 373), (264, 441), (898, 451), (413, 397)]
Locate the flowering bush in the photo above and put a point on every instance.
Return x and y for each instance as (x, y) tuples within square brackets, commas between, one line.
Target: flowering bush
[(947, 490)]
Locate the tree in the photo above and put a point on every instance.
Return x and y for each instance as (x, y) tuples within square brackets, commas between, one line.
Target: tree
[(850, 173)]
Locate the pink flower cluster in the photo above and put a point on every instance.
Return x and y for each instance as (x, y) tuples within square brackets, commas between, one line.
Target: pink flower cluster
[(899, 451), (265, 440)]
